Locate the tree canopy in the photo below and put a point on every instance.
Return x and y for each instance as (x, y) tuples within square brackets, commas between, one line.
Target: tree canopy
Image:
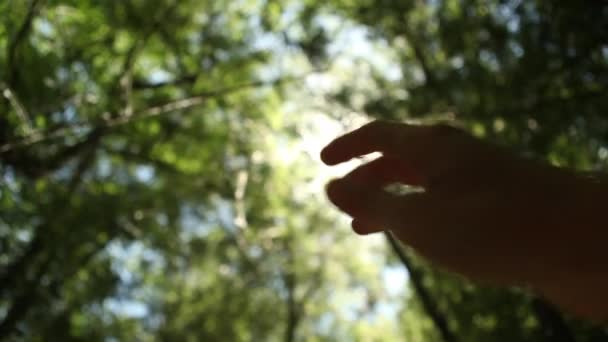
[(160, 177)]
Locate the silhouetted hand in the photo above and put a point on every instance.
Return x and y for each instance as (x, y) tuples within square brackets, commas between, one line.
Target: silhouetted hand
[(485, 212)]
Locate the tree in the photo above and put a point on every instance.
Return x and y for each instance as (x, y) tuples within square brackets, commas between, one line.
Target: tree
[(155, 179)]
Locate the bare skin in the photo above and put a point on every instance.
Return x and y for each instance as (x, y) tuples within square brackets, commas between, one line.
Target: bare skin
[(485, 213)]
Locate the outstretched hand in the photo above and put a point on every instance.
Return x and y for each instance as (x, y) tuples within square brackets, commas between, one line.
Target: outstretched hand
[(485, 212)]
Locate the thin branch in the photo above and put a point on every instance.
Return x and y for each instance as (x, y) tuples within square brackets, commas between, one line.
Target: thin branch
[(420, 56), (310, 291), (241, 248), (240, 217), (295, 306), (11, 68), (113, 121), (426, 69), (125, 80), (293, 314), (39, 167), (172, 44), (83, 165), (292, 311), (131, 156), (18, 107), (428, 304), (141, 85), (13, 46), (89, 143)]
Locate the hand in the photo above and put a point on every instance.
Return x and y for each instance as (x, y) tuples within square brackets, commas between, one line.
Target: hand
[(485, 212)]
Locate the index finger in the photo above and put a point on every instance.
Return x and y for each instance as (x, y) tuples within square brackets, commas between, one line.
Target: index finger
[(377, 136)]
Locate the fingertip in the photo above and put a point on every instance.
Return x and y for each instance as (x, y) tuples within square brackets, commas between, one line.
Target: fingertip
[(358, 227), (327, 158), (333, 189), (345, 196), (362, 228), (324, 157), (356, 199)]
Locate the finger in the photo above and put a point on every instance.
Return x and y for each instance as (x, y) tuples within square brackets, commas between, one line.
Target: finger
[(362, 227), (387, 137), (377, 136), (379, 208), (383, 171)]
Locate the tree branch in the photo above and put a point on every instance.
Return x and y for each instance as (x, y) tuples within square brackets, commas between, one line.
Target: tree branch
[(292, 311), (420, 56), (295, 306), (293, 316), (141, 84), (240, 217), (91, 141), (83, 165), (24, 29), (125, 78), (428, 304), (113, 121), (130, 156), (18, 107)]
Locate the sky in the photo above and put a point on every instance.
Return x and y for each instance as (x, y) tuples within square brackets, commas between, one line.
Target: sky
[(319, 128), (351, 45)]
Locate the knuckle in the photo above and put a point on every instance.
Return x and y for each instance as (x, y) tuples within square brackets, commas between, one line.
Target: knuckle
[(377, 129), (377, 124)]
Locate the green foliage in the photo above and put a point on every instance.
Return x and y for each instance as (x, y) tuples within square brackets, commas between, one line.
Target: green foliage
[(153, 188)]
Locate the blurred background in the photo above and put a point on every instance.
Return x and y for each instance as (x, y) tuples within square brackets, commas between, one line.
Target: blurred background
[(159, 170)]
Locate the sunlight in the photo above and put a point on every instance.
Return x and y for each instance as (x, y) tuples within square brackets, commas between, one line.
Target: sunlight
[(322, 129)]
